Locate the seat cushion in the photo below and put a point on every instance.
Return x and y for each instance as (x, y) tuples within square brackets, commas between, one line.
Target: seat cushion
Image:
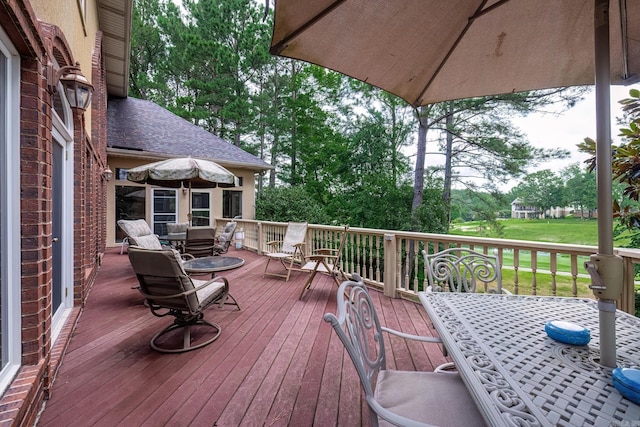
[(433, 398), (150, 241), (135, 228), (208, 293)]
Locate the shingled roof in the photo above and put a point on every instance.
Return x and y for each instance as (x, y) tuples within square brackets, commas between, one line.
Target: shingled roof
[(142, 126)]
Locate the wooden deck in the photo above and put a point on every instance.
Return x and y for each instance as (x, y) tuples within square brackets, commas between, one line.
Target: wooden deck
[(276, 363)]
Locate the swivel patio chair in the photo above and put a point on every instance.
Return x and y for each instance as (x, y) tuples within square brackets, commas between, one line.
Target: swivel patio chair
[(287, 251), (177, 232), (169, 291), (223, 241), (138, 233), (326, 260), (200, 241), (402, 398)]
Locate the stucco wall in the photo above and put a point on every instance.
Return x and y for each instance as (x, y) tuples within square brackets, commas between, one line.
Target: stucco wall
[(79, 31), (248, 195)]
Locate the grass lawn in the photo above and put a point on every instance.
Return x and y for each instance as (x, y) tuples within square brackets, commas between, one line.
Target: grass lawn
[(574, 231), (569, 231)]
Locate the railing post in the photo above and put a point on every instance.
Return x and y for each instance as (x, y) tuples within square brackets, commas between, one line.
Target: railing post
[(260, 238), (390, 265)]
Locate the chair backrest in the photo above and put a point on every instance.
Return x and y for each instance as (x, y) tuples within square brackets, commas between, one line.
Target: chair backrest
[(200, 241), (139, 233), (177, 227), (160, 273), (358, 327), (337, 264), (462, 270), (296, 233), (227, 233)]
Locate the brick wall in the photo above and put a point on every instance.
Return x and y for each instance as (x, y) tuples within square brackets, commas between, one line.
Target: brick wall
[(37, 42)]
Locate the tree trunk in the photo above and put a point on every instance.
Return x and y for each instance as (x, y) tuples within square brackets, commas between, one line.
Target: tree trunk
[(446, 192)]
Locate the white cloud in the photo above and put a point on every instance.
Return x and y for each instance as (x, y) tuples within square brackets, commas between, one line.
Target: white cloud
[(569, 128)]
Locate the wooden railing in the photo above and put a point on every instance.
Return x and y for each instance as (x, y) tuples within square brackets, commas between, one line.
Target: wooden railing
[(393, 261)]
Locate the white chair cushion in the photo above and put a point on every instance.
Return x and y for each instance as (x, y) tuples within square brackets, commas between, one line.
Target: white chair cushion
[(438, 399), (150, 241)]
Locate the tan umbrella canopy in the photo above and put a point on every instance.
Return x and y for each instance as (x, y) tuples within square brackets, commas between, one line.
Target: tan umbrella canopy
[(428, 51), (184, 172)]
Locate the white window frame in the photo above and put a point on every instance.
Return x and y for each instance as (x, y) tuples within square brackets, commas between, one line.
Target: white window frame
[(10, 216), (153, 207), (208, 194)]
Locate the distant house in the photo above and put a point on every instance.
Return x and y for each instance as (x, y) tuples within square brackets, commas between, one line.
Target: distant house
[(521, 211), (140, 132)]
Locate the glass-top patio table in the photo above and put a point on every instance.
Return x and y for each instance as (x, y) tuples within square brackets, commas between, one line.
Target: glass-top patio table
[(212, 264), (518, 375)]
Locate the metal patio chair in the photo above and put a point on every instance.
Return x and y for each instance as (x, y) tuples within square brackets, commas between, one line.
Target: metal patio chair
[(402, 398)]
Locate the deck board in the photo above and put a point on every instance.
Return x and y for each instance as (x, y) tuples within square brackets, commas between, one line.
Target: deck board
[(276, 363)]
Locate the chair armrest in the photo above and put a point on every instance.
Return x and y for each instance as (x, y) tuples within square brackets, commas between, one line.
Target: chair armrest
[(326, 251), (320, 257), (189, 292), (273, 242), (411, 336), (187, 257)]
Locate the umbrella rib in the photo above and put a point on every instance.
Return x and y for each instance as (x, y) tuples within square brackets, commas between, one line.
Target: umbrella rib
[(281, 45), (479, 12)]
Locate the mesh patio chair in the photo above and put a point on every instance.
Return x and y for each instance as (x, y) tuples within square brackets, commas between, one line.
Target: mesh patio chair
[(223, 241), (287, 251), (401, 398), (169, 291), (326, 260), (200, 241)]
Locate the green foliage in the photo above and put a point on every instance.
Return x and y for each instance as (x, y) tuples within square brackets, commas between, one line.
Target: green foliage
[(543, 190), (289, 204)]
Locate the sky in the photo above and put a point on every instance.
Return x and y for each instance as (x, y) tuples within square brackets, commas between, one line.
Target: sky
[(571, 127), (559, 130)]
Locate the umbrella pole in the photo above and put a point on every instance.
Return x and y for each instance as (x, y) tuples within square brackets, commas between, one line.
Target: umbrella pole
[(605, 268), (189, 216)]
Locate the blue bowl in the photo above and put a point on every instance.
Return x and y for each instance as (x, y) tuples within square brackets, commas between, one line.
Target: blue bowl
[(627, 382), (567, 332)]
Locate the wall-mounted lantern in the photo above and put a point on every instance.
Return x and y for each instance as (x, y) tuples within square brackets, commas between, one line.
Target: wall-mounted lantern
[(107, 173), (77, 88)]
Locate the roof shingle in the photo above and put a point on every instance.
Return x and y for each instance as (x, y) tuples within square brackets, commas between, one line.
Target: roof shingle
[(141, 125)]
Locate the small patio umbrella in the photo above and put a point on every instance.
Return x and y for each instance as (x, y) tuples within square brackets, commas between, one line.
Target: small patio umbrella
[(428, 51), (183, 172)]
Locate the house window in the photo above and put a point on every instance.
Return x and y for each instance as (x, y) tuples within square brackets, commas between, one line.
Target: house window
[(121, 174), (165, 209), (231, 204), (200, 209), (130, 204), (10, 345)]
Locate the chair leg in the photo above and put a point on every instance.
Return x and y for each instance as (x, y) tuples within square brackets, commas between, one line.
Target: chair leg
[(125, 241), (186, 336), (229, 296)]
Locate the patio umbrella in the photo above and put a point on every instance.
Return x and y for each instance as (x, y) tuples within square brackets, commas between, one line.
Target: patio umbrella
[(428, 51), (183, 172)]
